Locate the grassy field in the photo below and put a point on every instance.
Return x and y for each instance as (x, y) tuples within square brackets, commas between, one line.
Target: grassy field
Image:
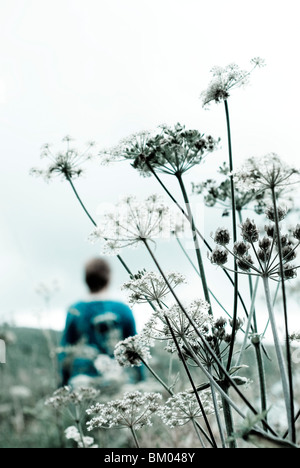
[(29, 377)]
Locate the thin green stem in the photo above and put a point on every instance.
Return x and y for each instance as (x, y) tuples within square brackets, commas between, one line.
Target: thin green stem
[(256, 341), (212, 380), (251, 314), (254, 312), (187, 217), (280, 359), (196, 270), (81, 202), (134, 437), (156, 376), (287, 336), (170, 391), (204, 342), (296, 419), (234, 229), (195, 238), (78, 425), (228, 417), (217, 412), (274, 303), (198, 433), (231, 168), (191, 381)]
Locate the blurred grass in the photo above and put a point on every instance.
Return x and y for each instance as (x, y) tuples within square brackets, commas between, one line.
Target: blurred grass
[(28, 378)]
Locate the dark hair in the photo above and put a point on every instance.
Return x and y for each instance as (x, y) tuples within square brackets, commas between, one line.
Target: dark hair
[(97, 274)]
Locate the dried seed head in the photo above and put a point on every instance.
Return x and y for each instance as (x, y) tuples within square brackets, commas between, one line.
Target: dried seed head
[(250, 232), (222, 236), (220, 322), (263, 255), (265, 243), (240, 248), (245, 263), (238, 325), (224, 79), (290, 271), (289, 253), (281, 213), (227, 338), (270, 230), (219, 256), (66, 163), (284, 238)]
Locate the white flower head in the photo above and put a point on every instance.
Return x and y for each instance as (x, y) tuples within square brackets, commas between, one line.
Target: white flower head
[(20, 392), (157, 327), (66, 396), (133, 223), (184, 407), (66, 163), (72, 433), (150, 286), (130, 147), (133, 351), (266, 172), (258, 62), (218, 193), (171, 150), (133, 411), (225, 79)]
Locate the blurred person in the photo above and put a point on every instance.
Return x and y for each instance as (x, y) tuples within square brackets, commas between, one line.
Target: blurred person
[(94, 327)]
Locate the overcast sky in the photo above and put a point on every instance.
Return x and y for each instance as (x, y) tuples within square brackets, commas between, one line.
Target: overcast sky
[(100, 70)]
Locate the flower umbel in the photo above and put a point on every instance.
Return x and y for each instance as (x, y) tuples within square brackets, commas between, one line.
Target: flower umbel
[(218, 333), (67, 163), (219, 256), (157, 327), (222, 236), (150, 286), (265, 259), (129, 148), (267, 172), (132, 223), (184, 407), (227, 78), (65, 396), (134, 411), (132, 351), (172, 150), (219, 194)]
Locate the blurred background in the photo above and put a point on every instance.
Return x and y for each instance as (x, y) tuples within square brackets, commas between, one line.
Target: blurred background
[(101, 70)]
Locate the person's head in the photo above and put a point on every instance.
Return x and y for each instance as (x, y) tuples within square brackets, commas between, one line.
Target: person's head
[(97, 275)]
